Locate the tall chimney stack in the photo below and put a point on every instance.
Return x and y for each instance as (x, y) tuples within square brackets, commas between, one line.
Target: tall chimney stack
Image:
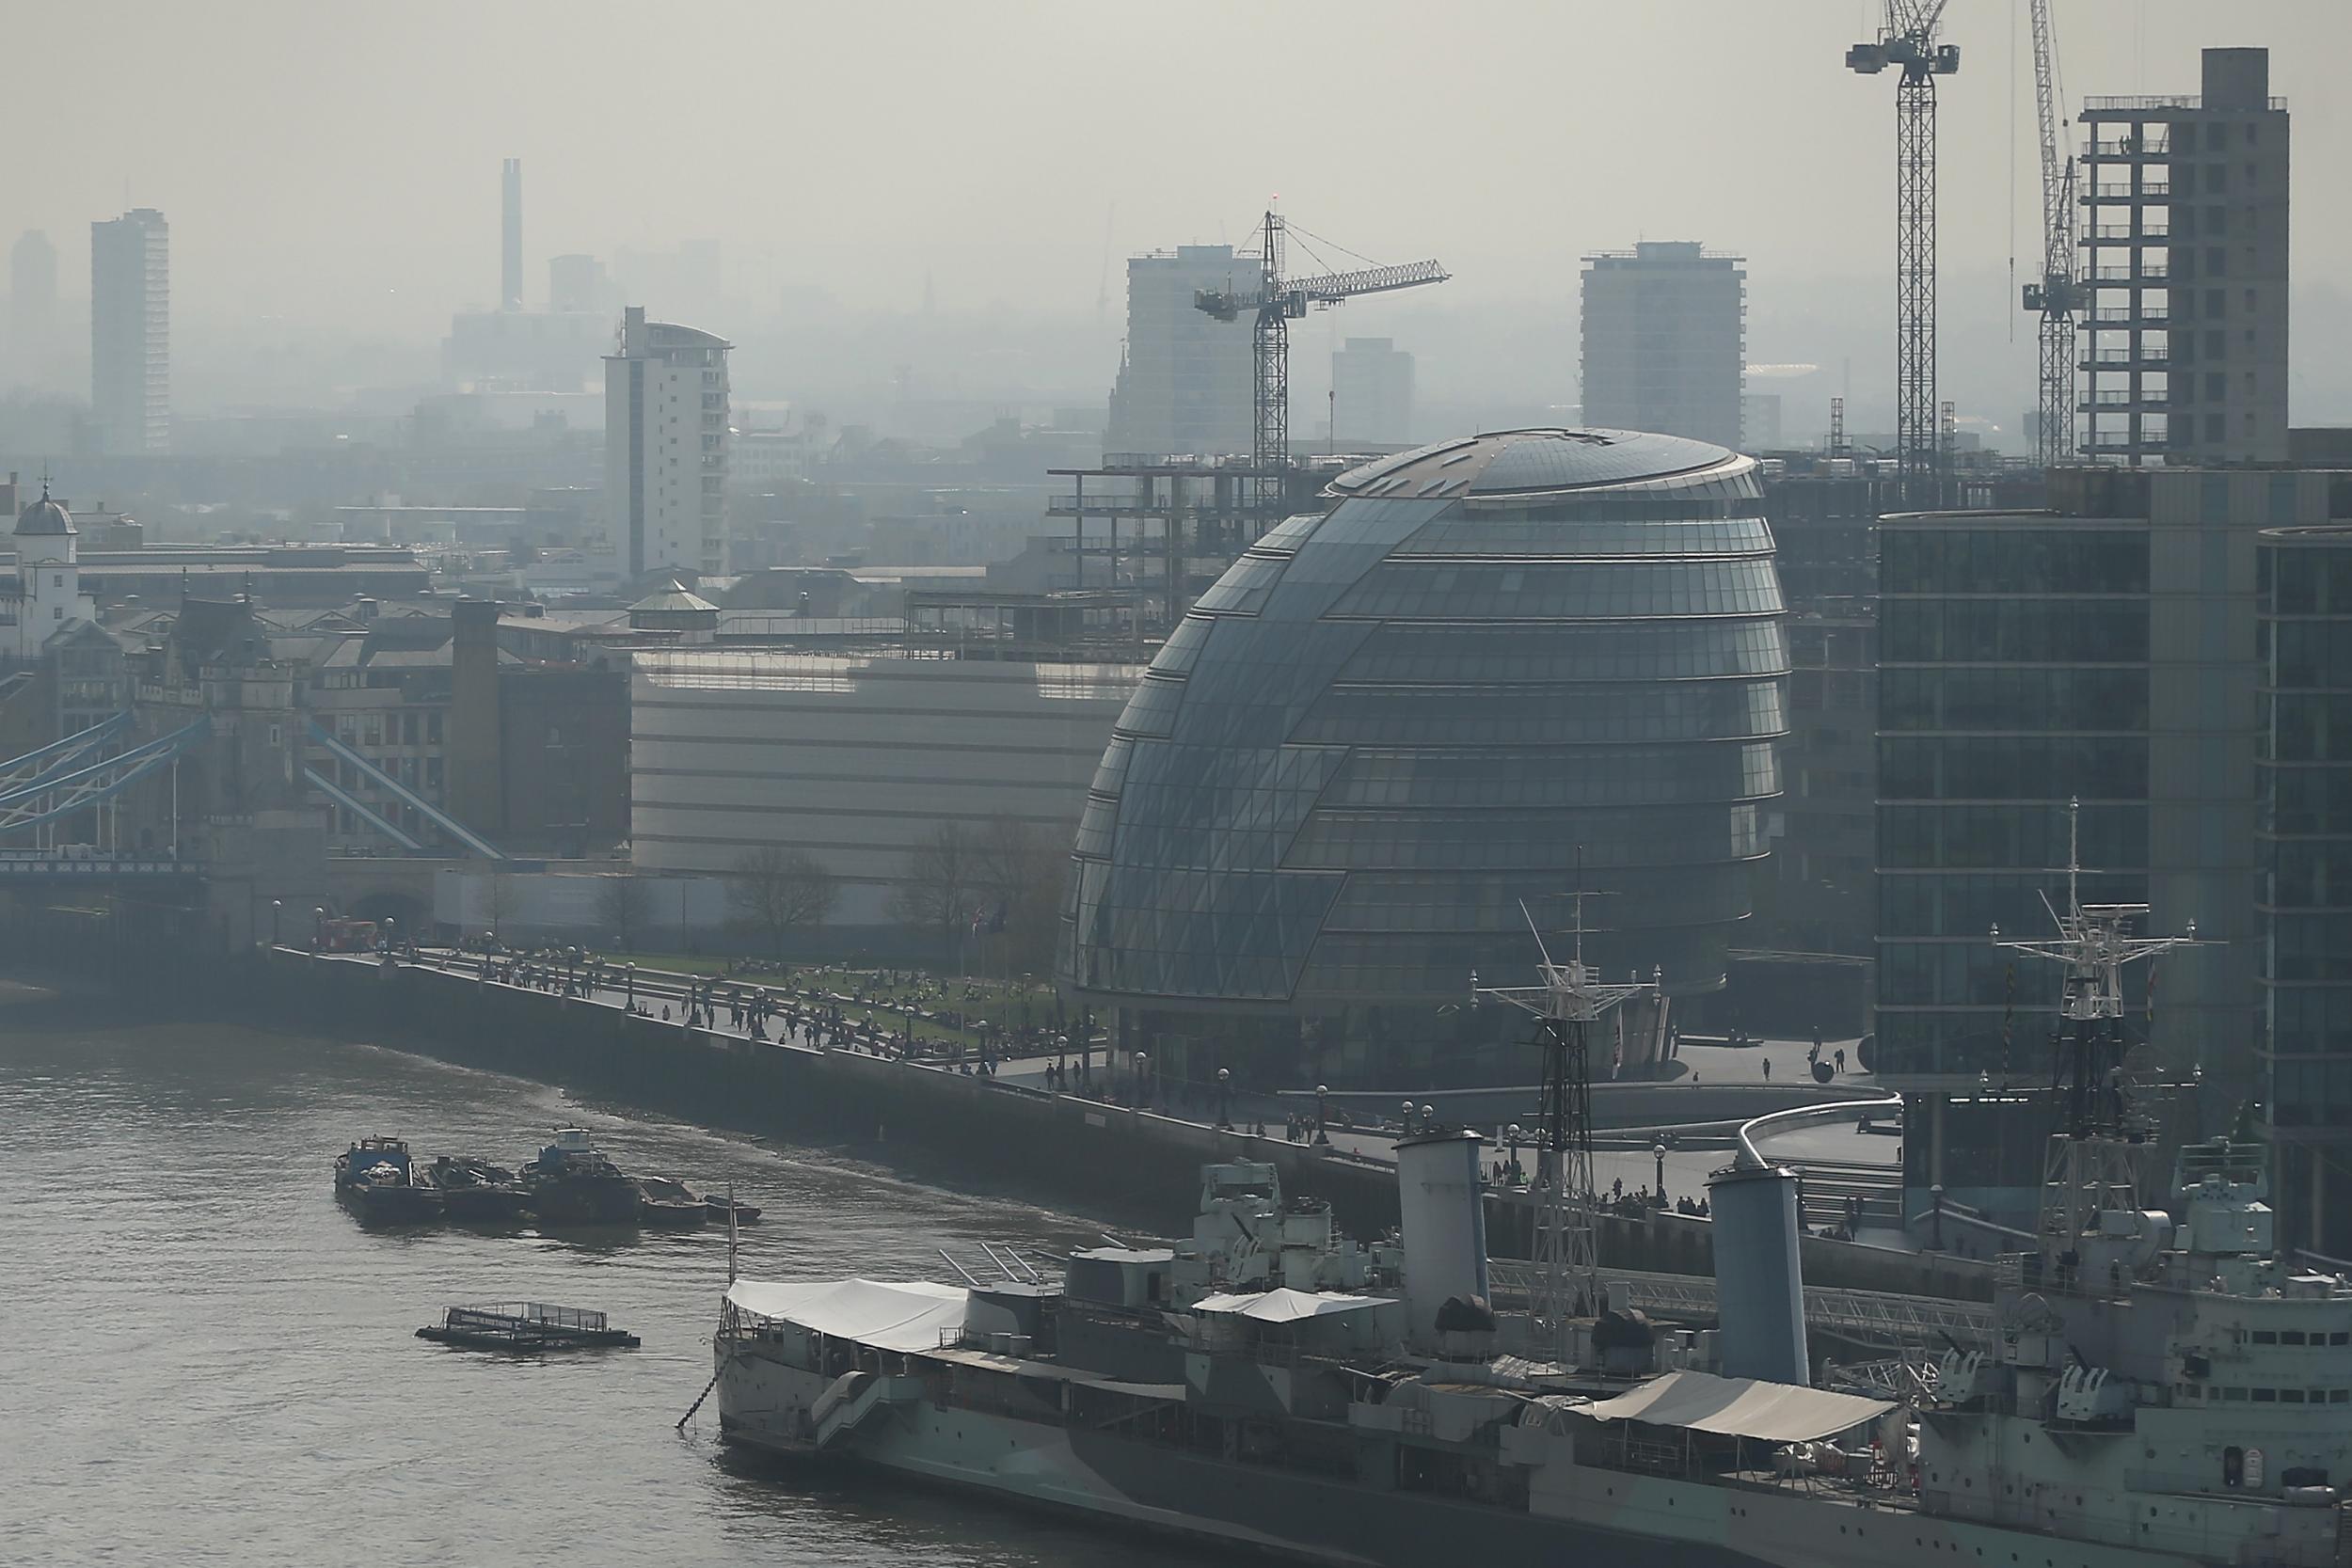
[(511, 261)]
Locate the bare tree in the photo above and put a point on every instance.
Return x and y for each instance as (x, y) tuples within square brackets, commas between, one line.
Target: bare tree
[(624, 907), (494, 903), (777, 892), (939, 886), (1019, 873)]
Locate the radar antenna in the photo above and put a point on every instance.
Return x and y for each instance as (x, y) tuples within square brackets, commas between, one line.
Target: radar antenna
[(1569, 998), (2089, 1170)]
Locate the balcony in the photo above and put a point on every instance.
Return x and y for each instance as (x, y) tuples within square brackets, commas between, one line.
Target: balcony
[(2151, 270), (2142, 358), (2148, 190), (2127, 234), (2125, 315)]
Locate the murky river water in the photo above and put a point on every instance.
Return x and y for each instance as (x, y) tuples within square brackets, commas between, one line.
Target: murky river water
[(203, 1360)]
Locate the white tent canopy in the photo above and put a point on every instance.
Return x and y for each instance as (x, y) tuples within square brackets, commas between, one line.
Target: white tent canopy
[(1287, 1306), (909, 1316), (1740, 1407)]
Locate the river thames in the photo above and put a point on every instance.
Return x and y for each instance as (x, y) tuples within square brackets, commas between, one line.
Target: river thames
[(208, 1361)]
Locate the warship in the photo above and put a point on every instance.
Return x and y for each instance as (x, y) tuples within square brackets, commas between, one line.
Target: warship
[(2157, 1385)]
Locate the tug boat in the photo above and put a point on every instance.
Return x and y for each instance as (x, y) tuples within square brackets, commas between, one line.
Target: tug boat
[(670, 1204)]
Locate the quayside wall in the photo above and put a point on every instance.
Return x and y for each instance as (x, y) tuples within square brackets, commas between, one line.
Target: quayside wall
[(1125, 1167)]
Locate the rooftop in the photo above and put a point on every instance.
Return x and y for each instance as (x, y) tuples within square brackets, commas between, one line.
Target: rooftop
[(1530, 462)]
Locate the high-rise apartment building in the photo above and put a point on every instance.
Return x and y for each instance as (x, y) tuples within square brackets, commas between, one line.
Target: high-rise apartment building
[(1184, 385), (1665, 341), (130, 332), (665, 446), (2185, 251), (1372, 393)]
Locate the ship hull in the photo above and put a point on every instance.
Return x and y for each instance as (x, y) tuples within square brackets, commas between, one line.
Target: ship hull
[(1615, 1516)]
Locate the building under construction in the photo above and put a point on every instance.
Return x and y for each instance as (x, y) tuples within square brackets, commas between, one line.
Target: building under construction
[(2185, 252)]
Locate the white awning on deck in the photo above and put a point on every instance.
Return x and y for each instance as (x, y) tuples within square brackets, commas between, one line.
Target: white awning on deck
[(1738, 1407)]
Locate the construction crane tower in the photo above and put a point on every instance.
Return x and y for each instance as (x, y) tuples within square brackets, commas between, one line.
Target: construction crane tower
[(1273, 303), (1908, 42), (2059, 294)]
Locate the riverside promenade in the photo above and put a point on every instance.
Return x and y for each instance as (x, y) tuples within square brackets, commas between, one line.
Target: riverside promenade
[(846, 1088)]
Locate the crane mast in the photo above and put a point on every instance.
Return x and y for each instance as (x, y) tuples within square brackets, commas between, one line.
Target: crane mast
[(1908, 42), (1273, 305), (2059, 295)]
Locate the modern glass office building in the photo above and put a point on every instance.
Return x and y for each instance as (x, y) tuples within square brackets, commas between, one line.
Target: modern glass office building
[(1497, 670), (2104, 651), (2303, 779)]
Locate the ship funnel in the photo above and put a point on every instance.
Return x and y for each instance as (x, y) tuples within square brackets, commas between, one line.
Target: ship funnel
[(1443, 1208), (1759, 1282)]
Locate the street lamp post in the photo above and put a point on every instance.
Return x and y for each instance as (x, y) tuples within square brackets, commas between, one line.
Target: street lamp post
[(1225, 1098), (1323, 1139), (318, 927), (1659, 1151), (1140, 1060), (275, 905), (1408, 1118), (1511, 1137), (628, 973), (389, 925)]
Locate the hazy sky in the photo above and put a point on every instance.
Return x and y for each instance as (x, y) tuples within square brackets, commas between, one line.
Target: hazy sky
[(333, 164)]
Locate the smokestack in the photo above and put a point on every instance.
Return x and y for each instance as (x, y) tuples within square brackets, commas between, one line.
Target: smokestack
[(511, 259)]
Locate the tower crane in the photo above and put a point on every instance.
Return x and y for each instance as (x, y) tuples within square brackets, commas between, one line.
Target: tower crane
[(2059, 294), (1908, 42), (1273, 303)]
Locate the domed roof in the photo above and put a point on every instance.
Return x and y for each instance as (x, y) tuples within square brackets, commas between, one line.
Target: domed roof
[(673, 599), (1522, 461), (43, 518)]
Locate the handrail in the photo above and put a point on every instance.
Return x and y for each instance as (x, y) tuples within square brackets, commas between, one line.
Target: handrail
[(1750, 1158)]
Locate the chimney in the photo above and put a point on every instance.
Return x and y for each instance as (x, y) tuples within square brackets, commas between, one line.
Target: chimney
[(510, 230)]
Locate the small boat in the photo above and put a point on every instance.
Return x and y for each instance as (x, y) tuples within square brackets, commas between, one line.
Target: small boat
[(745, 1213), (376, 1178), (525, 1326), (666, 1201), (476, 1191), (571, 1184)]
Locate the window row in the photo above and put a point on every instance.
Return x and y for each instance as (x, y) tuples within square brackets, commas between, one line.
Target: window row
[(2311, 876), (1497, 841), (1926, 560), (2311, 1093), (2194, 1393), (2305, 580), (1997, 698), (1602, 533), (2305, 800), (2013, 631), (2310, 1021), (1627, 776), (1403, 651), (1997, 766), (1581, 591), (2309, 947), (1708, 710), (2304, 727), (2310, 653), (1932, 905), (2024, 836)]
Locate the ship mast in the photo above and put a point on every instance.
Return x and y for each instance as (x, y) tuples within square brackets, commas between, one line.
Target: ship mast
[(1567, 1001), (2090, 1167)]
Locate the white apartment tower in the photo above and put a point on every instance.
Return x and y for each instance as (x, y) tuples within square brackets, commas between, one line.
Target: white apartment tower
[(1372, 393), (1183, 386), (665, 446), (130, 332), (1666, 329)]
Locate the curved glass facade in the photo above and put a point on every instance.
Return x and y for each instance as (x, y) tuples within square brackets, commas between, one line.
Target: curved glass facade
[(1390, 723)]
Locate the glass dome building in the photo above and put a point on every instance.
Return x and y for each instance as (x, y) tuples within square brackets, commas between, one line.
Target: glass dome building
[(1496, 669)]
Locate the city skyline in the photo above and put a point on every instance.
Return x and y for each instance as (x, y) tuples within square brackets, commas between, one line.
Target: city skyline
[(390, 235)]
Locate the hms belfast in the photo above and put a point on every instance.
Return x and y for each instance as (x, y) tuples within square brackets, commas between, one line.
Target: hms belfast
[(2156, 1384)]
